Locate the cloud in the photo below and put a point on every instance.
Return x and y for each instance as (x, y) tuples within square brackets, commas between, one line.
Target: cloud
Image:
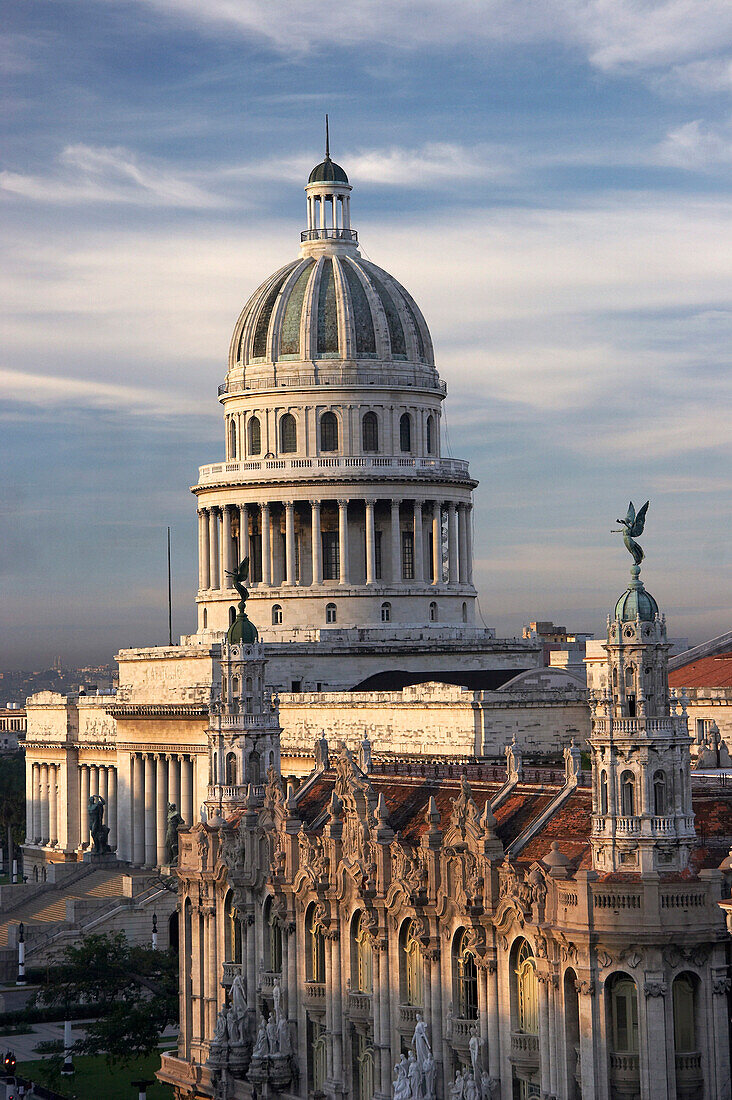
[(44, 390), (620, 35), (696, 146), (87, 174)]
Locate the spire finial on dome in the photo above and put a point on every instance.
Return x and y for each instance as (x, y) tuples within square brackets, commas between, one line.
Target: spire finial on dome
[(327, 140)]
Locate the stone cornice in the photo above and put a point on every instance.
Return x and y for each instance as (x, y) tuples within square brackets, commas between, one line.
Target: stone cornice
[(155, 710)]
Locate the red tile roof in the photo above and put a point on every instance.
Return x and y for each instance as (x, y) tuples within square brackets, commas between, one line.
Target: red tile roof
[(713, 671)]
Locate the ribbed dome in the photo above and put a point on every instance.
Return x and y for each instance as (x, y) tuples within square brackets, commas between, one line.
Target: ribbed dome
[(338, 307), (327, 172), (636, 603)]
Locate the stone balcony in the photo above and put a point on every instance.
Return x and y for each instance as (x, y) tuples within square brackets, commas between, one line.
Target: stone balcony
[(524, 1049), (359, 1006), (689, 1076), (221, 792), (314, 994), (461, 1029), (267, 979), (408, 1017), (230, 970), (305, 469), (625, 1075)]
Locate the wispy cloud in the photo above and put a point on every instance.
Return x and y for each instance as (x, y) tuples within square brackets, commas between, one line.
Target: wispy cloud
[(86, 174), (46, 390), (696, 146)]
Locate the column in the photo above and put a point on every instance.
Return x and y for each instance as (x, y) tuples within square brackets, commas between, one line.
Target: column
[(174, 781), (161, 809), (266, 547), (418, 544), (186, 796), (112, 807), (52, 804), (396, 544), (437, 542), (483, 1013), (84, 806), (150, 844), (213, 548), (227, 546), (462, 544), (494, 1053), (436, 1010), (44, 804), (29, 773), (337, 999), (138, 800), (289, 543), (343, 541), (543, 982), (452, 543), (104, 790), (332, 982), (317, 542), (469, 541), (244, 551), (370, 543), (36, 803), (203, 550), (212, 971), (93, 780)]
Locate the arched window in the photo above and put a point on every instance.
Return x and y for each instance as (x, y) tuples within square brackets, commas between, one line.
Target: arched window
[(627, 794), (314, 948), (623, 1014), (364, 1067), (659, 794), (526, 1000), (232, 615), (328, 432), (430, 434), (465, 612), (330, 613), (433, 612), (277, 615), (254, 773), (255, 436), (272, 940), (231, 769), (318, 1056), (370, 432), (205, 618), (410, 970), (464, 977), (386, 612), (232, 930), (405, 433), (361, 956), (603, 792), (232, 438), (684, 1014), (288, 434)]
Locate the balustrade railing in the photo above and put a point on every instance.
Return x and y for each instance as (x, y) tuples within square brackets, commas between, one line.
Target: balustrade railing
[(689, 1065), (280, 378), (230, 971), (624, 1065), (359, 1004), (524, 1047), (408, 1015), (324, 467), (315, 992), (329, 234), (617, 901)]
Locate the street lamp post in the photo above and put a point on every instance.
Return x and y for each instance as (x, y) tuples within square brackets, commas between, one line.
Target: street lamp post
[(142, 1086), (155, 932), (20, 980)]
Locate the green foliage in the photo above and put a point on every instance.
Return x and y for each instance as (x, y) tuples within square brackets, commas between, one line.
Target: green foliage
[(94, 1078), (135, 987), (12, 794)]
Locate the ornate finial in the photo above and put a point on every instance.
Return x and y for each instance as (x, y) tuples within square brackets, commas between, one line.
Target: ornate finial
[(632, 526), (327, 140), (241, 630)]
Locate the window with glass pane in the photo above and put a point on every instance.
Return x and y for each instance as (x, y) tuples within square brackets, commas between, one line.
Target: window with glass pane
[(274, 942), (684, 1022), (430, 435), (364, 959), (364, 1054), (370, 432), (255, 436), (315, 971), (624, 1004), (407, 555), (288, 434), (405, 433), (627, 794), (413, 967), (317, 1058), (603, 793), (330, 613), (527, 1001), (465, 979), (659, 793), (329, 432), (331, 561)]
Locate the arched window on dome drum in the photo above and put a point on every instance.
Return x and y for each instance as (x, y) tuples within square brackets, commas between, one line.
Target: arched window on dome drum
[(659, 794), (627, 794), (386, 612), (405, 433), (255, 436), (430, 434), (232, 438), (433, 612), (465, 612), (288, 434), (205, 618), (330, 613), (232, 615), (277, 615), (329, 432), (370, 432)]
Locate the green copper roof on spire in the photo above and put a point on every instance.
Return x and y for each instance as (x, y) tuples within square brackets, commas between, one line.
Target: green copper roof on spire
[(635, 602), (242, 631)]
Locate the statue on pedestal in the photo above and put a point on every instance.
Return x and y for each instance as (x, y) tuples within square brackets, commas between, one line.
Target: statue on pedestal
[(261, 1046), (97, 829), (171, 835)]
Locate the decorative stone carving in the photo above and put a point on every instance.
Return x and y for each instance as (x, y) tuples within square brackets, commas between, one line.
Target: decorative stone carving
[(721, 985), (585, 986), (655, 988)]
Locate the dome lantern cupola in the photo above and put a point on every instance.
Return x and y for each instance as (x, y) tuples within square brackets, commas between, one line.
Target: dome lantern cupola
[(328, 205)]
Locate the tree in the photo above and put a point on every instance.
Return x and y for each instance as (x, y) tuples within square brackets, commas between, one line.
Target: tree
[(135, 987), (12, 799)]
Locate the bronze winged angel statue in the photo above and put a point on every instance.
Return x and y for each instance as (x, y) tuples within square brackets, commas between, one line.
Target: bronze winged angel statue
[(632, 526), (241, 574)]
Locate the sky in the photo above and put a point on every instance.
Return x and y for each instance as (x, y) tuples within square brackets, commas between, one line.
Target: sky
[(550, 179)]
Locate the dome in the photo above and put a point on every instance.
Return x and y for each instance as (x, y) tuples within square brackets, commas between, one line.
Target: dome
[(335, 306), (242, 631), (635, 602), (327, 172)]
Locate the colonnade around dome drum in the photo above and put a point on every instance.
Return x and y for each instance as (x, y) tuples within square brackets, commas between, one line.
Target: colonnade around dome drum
[(372, 542)]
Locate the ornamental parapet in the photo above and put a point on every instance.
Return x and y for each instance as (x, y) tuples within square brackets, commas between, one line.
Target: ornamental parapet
[(524, 1048), (288, 469), (284, 378), (153, 710)]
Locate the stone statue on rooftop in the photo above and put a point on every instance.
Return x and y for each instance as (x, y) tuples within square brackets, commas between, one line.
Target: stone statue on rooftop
[(238, 576), (632, 526)]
